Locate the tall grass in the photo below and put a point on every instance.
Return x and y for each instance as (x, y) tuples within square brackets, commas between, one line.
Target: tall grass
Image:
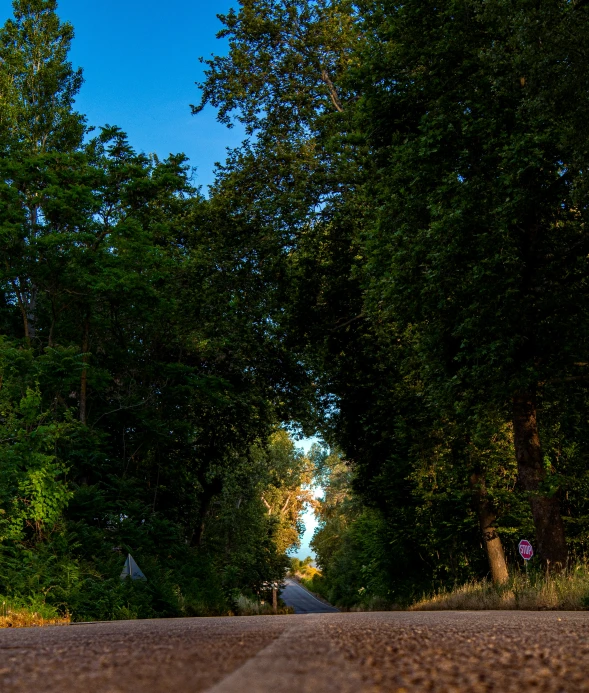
[(567, 591), (17, 614)]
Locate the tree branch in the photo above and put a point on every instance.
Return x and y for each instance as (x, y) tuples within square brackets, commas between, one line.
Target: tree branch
[(348, 322), (332, 91), (570, 379)]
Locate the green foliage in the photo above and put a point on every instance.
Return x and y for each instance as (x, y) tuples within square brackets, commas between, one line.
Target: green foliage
[(476, 247), (394, 256), (438, 279), (297, 564), (37, 83), (33, 477)]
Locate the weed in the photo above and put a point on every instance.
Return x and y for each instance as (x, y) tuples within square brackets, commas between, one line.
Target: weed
[(17, 615)]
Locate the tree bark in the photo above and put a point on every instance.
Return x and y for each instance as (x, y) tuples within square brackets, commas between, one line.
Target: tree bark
[(491, 540), (550, 537)]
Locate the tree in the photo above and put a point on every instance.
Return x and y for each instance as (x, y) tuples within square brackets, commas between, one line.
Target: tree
[(281, 81), (37, 82), (33, 487), (480, 241), (288, 494), (37, 87)]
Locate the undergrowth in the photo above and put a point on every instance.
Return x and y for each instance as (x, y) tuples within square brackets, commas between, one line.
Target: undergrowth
[(567, 591), (244, 606), (16, 613)]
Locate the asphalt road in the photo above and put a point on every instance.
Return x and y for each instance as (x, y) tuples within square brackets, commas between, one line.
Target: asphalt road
[(304, 602), (443, 652)]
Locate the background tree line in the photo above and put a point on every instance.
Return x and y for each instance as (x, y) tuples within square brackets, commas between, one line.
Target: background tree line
[(395, 257)]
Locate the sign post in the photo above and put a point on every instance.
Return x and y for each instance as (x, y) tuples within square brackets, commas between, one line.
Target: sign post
[(274, 597)]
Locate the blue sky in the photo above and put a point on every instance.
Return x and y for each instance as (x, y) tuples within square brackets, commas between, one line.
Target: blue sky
[(140, 61)]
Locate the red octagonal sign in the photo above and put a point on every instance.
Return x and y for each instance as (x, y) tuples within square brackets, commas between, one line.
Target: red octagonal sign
[(525, 549)]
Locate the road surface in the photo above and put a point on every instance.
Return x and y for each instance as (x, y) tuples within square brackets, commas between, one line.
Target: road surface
[(400, 652), (304, 602)]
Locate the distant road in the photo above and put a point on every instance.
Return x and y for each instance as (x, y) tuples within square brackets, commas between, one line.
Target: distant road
[(304, 602), (395, 652)]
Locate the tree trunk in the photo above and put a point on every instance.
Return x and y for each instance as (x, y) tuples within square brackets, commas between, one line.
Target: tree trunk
[(550, 536), (32, 313), (27, 309), (491, 540), (210, 490), (84, 378), (31, 304)]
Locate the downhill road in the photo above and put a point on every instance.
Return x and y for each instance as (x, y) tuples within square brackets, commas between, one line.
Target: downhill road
[(304, 602), (399, 652)]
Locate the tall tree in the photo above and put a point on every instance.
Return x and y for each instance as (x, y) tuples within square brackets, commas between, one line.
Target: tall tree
[(480, 244), (37, 89), (37, 82)]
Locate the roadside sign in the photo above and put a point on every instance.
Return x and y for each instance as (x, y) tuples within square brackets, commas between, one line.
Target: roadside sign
[(525, 549), (132, 570)]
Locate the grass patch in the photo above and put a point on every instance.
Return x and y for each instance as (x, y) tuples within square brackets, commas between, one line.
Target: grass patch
[(568, 591), (17, 614)]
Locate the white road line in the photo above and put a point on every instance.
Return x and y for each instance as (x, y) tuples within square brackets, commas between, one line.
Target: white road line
[(302, 656)]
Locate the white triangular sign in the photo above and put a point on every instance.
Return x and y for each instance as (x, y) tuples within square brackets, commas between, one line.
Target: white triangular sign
[(132, 570)]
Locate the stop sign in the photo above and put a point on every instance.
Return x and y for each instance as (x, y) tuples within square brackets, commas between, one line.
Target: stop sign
[(525, 549)]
